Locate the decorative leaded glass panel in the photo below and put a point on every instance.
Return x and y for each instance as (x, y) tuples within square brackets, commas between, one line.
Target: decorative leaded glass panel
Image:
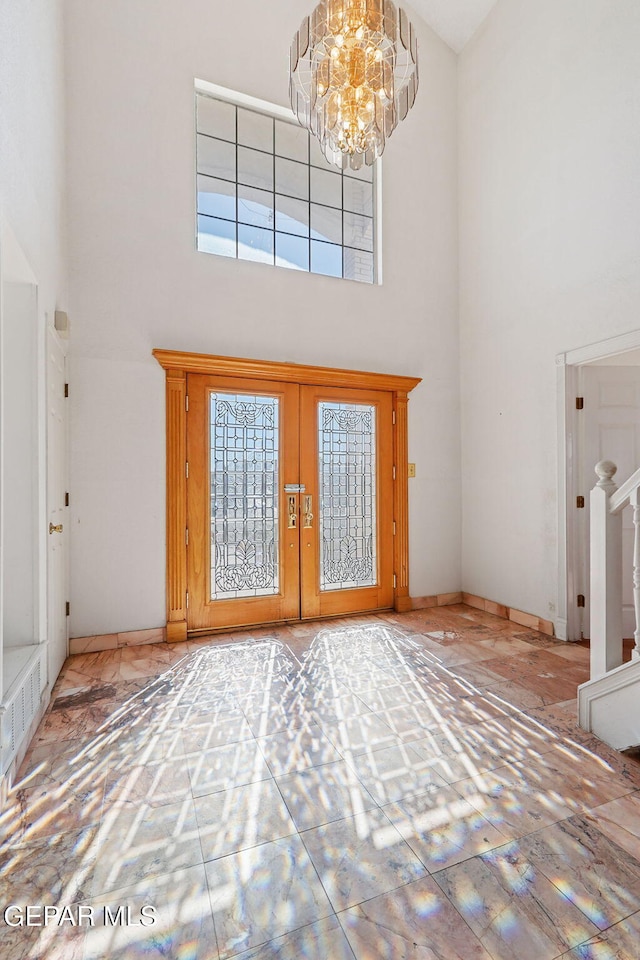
[(244, 495), (347, 482)]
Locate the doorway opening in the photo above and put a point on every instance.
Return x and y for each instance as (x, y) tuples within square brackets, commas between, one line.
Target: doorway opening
[(599, 392)]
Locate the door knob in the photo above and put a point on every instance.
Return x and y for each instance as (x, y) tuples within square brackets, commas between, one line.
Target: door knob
[(55, 528)]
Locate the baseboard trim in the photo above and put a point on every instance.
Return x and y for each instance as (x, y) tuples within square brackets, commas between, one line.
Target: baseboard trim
[(528, 620), (113, 641), (523, 619), (175, 632), (439, 600)]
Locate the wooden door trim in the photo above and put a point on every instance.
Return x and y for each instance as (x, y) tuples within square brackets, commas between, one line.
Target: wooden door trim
[(177, 365), (176, 392), (401, 598), (289, 372)]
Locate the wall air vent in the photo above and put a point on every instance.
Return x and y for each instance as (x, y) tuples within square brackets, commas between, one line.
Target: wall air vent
[(19, 710)]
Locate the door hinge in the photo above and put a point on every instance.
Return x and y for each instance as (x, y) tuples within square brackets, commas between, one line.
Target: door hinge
[(395, 581), (66, 390), (394, 528), (187, 599), (581, 600), (393, 414), (186, 404), (186, 536), (66, 499), (580, 503), (186, 466), (579, 403), (394, 473), (67, 608)]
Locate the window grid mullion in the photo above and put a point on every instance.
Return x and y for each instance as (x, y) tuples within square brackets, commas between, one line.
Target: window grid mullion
[(342, 218), (309, 195), (237, 200), (286, 233), (274, 194)]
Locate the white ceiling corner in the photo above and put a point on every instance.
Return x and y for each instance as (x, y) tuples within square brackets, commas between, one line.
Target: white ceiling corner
[(455, 21)]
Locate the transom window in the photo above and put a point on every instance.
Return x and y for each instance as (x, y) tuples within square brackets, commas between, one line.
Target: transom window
[(266, 193)]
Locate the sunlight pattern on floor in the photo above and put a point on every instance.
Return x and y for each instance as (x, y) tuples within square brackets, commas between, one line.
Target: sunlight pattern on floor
[(381, 787)]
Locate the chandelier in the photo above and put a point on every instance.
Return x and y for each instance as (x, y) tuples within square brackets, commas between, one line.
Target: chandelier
[(353, 76)]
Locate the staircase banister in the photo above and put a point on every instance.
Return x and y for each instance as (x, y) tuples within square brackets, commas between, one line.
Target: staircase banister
[(605, 574), (622, 496)]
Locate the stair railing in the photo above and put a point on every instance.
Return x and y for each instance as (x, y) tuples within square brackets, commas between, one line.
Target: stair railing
[(607, 504)]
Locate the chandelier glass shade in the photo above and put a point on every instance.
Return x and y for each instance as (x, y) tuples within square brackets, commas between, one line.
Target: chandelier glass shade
[(353, 76)]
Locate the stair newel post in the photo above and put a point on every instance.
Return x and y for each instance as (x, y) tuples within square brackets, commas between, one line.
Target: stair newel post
[(635, 503), (606, 575)]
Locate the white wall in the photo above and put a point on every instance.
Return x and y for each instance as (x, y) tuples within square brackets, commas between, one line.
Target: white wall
[(19, 538), (549, 261), (137, 282), (32, 194), (32, 252)]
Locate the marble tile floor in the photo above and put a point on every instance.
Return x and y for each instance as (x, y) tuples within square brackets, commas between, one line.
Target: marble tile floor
[(378, 788)]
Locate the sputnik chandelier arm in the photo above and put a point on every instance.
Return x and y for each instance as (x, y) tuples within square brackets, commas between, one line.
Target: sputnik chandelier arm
[(353, 76)]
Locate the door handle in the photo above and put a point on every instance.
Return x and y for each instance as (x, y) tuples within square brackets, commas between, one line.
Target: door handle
[(308, 515), (292, 513), (55, 528)]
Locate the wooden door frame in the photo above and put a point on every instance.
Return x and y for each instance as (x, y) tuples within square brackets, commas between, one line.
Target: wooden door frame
[(177, 365)]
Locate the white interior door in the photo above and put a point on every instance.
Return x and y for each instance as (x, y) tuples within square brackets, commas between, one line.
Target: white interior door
[(610, 431), (57, 569)]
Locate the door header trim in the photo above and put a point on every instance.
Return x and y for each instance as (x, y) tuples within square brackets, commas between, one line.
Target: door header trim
[(175, 360)]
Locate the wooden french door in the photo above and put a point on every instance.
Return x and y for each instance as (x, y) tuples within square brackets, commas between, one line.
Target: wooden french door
[(289, 501), (346, 467), (287, 553)]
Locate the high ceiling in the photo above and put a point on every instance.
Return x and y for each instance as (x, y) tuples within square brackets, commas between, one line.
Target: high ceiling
[(455, 21)]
